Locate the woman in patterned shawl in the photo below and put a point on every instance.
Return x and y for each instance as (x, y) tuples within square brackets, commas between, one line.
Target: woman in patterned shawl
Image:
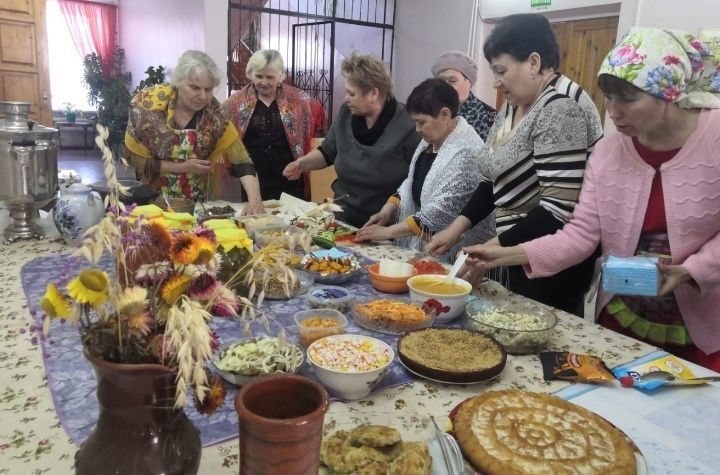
[(180, 142), (275, 122), (460, 71), (443, 173)]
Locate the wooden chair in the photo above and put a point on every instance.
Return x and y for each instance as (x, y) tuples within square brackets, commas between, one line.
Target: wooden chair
[(321, 180)]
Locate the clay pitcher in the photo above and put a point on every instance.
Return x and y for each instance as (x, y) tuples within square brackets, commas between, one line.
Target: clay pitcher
[(281, 422), (138, 431)]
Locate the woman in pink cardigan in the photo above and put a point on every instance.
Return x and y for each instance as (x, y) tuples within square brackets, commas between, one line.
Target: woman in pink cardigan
[(651, 187)]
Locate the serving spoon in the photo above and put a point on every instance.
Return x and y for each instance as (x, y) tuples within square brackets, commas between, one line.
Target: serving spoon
[(660, 375), (461, 258)]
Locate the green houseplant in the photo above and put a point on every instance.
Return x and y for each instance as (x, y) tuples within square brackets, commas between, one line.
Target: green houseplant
[(109, 91), (71, 113)]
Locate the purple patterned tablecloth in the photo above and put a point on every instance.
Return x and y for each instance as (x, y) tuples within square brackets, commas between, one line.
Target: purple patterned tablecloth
[(72, 380)]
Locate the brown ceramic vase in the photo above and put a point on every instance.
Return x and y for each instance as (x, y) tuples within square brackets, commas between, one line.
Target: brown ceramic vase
[(138, 431), (281, 421)]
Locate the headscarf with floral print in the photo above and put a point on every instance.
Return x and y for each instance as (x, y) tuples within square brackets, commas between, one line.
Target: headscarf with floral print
[(671, 65)]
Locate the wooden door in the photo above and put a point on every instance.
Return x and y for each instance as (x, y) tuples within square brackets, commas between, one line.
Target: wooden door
[(24, 70), (583, 47)]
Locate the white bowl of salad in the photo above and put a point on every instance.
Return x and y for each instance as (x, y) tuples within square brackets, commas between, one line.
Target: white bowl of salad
[(349, 366), (242, 361)]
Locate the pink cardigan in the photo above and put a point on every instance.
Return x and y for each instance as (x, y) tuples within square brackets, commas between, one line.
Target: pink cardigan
[(611, 210)]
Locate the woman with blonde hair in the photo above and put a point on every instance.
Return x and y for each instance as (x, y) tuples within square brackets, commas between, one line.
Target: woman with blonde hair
[(275, 121), (179, 140), (371, 142)]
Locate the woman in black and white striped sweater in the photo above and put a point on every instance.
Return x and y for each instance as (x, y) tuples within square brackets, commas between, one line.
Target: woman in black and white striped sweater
[(535, 156)]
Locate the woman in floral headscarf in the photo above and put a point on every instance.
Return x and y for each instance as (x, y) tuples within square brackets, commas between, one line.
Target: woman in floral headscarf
[(654, 188), (179, 140)]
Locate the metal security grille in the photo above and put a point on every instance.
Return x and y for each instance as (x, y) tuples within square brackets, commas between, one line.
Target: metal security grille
[(313, 36)]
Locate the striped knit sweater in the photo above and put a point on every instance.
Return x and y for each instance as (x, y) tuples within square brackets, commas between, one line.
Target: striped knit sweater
[(535, 175), (611, 210)]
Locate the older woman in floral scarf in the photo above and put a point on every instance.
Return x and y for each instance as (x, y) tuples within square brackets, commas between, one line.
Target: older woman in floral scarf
[(275, 122), (652, 188), (180, 142)]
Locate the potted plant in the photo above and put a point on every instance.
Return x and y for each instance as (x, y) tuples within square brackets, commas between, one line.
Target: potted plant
[(71, 113), (146, 334), (109, 91)]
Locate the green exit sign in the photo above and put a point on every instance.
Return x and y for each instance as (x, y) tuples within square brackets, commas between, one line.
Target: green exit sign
[(540, 3)]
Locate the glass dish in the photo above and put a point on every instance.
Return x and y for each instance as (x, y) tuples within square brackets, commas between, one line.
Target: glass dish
[(520, 327), (264, 366), (258, 221), (281, 235), (330, 296), (413, 427), (385, 323), (327, 277), (305, 279)]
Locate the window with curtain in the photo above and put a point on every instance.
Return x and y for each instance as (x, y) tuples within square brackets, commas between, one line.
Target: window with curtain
[(66, 64), (77, 28)]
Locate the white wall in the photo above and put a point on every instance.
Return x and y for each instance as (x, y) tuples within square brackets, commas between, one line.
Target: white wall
[(690, 17), (493, 10), (157, 32), (216, 39), (424, 29)]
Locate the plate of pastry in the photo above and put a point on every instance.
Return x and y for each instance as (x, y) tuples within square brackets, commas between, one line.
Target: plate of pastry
[(516, 431)]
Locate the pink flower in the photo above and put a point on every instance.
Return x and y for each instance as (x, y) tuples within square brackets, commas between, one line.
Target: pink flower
[(626, 54), (671, 59)]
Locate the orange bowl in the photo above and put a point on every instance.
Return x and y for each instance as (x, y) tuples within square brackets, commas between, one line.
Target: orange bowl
[(387, 284)]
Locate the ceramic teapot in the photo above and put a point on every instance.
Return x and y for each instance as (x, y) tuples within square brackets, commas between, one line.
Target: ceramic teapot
[(77, 209)]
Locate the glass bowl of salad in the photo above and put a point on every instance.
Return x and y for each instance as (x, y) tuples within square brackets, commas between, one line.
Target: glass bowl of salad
[(520, 327), (244, 360)]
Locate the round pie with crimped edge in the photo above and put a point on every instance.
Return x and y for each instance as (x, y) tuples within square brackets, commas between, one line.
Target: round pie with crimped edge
[(516, 432)]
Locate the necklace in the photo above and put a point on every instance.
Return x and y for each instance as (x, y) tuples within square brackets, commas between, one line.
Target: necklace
[(435, 149)]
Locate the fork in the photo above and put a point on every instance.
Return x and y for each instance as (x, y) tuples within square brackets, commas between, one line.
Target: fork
[(450, 451)]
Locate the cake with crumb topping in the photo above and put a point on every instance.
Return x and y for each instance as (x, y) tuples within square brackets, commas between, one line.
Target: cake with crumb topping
[(451, 354)]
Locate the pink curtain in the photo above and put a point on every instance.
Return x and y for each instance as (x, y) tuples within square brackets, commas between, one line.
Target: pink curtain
[(93, 27)]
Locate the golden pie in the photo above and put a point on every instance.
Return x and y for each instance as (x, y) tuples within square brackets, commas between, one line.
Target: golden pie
[(453, 355), (516, 432)]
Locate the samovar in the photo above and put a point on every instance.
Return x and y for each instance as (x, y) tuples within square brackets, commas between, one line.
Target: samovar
[(28, 169)]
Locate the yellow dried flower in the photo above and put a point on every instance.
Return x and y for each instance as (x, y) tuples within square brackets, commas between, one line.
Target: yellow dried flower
[(131, 300), (54, 304), (185, 249), (174, 288), (90, 287)]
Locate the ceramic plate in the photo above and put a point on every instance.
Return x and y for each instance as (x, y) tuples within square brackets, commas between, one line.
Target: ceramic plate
[(485, 380)]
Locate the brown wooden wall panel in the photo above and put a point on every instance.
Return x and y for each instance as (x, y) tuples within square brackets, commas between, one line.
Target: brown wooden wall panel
[(17, 8), (17, 43), (20, 87), (583, 47)]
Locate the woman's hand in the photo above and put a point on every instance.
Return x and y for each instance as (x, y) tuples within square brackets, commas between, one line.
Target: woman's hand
[(253, 207), (492, 254), (374, 232), (293, 170), (195, 166), (383, 217), (442, 242), (673, 275)]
